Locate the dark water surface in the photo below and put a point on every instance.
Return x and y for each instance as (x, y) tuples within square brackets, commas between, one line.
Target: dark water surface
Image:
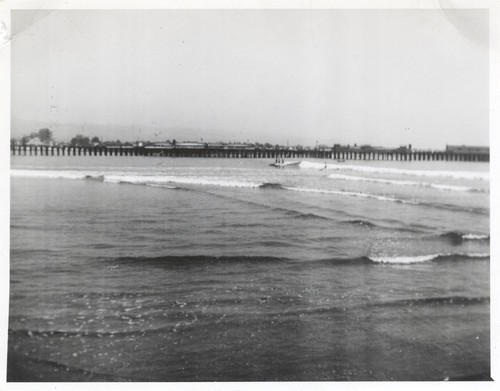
[(154, 269)]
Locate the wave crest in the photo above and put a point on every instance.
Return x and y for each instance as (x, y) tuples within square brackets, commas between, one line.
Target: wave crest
[(362, 223), (268, 185), (189, 260)]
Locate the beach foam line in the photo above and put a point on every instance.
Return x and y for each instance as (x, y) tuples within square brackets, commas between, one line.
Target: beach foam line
[(396, 171), (395, 182)]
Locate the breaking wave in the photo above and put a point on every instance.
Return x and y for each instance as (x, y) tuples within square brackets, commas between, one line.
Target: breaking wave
[(405, 260), (353, 194), (185, 180), (395, 182), (390, 198), (173, 182), (459, 237), (133, 178), (56, 174), (402, 260), (397, 171), (170, 261)]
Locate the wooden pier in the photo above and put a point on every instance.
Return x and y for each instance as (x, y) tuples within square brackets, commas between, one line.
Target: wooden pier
[(340, 154)]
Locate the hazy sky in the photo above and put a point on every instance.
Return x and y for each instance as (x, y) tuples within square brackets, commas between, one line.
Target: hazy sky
[(380, 77)]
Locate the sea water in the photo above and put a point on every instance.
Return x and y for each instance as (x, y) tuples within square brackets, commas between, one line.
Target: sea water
[(172, 269)]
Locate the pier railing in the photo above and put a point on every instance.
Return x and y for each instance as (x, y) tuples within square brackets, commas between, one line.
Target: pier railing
[(339, 154)]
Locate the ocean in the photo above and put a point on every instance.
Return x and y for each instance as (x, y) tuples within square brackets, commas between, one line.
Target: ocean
[(175, 269)]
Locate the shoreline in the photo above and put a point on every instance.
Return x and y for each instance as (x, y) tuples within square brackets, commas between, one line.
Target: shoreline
[(25, 369)]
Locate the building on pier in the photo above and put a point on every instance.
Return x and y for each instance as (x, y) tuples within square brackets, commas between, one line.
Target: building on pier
[(239, 146), (190, 145), (466, 149), (35, 141)]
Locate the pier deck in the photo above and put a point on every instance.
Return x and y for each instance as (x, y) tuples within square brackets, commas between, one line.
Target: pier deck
[(334, 153)]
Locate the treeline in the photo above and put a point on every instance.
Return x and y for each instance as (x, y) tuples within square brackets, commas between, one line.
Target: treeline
[(46, 137), (84, 141)]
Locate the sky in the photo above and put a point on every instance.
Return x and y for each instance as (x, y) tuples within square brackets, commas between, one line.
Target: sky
[(378, 77)]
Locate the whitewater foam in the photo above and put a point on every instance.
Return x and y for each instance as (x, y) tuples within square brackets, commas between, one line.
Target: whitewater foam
[(55, 174), (406, 260), (475, 237)]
